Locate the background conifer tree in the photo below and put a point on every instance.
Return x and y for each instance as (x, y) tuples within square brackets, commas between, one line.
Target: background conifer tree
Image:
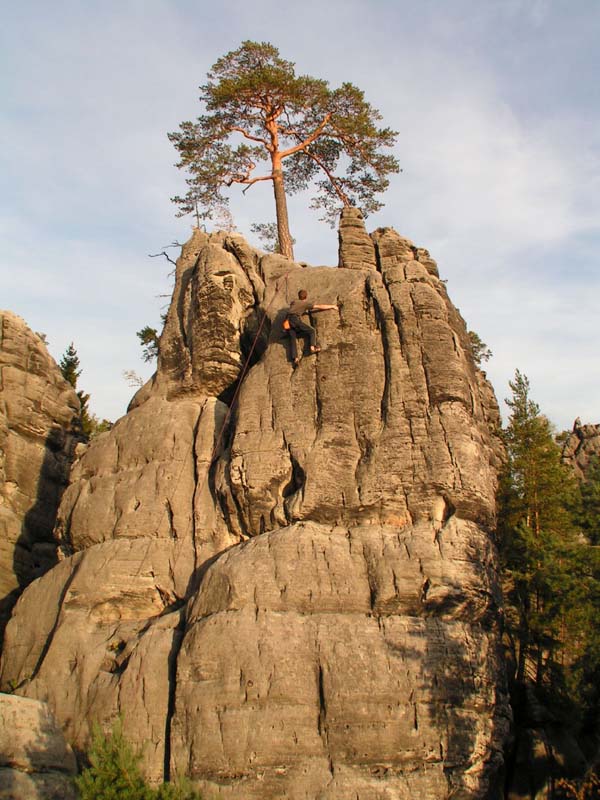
[(69, 367), (538, 536), (550, 573), (588, 515)]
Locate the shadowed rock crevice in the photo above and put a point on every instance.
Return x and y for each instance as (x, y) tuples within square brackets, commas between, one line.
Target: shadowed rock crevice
[(40, 427), (172, 691)]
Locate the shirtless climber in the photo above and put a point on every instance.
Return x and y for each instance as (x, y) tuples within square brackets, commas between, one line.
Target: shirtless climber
[(294, 325)]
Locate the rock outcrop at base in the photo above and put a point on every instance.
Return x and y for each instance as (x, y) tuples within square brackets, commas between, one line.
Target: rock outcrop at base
[(35, 761), (285, 579), (39, 429)]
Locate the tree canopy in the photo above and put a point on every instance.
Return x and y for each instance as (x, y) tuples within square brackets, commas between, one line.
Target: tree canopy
[(481, 352), (149, 340), (69, 367), (551, 571), (265, 123)]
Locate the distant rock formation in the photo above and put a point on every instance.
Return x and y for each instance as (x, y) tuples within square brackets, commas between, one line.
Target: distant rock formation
[(581, 446), (39, 428), (294, 595)]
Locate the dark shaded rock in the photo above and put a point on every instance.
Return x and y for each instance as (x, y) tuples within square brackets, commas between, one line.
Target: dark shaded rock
[(39, 429), (35, 761)]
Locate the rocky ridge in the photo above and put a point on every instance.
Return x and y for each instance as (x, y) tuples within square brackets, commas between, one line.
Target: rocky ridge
[(39, 430), (581, 446), (294, 595)]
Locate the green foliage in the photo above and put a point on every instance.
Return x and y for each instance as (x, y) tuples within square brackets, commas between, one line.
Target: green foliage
[(114, 773), (69, 365), (259, 113), (181, 790), (588, 515), (94, 426), (87, 421), (267, 233), (481, 352), (149, 340), (551, 576)]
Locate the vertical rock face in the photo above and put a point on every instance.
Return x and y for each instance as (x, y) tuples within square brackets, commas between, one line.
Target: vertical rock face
[(39, 427), (298, 598), (356, 250)]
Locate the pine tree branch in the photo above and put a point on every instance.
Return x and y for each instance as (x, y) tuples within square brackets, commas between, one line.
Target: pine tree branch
[(309, 140)]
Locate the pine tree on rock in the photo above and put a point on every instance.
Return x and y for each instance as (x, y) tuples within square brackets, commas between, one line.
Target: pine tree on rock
[(149, 340), (259, 113), (69, 365)]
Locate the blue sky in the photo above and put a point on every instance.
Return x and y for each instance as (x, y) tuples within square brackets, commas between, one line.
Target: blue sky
[(497, 105)]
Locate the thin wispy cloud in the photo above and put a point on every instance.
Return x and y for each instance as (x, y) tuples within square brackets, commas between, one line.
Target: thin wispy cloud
[(497, 108)]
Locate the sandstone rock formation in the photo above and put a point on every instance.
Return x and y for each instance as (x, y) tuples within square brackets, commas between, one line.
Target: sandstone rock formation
[(39, 428), (581, 446), (35, 761), (286, 579), (356, 249)]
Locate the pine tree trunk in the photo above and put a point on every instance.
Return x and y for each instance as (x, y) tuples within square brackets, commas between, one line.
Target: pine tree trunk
[(283, 229)]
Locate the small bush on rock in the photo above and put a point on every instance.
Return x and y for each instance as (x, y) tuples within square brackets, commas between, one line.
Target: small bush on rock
[(114, 773)]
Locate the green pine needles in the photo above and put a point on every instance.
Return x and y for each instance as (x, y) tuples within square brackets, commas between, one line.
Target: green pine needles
[(263, 122), (548, 526), (114, 773)]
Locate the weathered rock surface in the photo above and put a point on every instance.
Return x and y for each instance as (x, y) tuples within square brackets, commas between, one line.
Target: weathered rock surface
[(39, 428), (298, 599), (211, 318), (35, 761), (581, 446), (317, 663), (356, 249)]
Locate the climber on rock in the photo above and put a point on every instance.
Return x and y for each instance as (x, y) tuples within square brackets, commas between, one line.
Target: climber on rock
[(294, 326)]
